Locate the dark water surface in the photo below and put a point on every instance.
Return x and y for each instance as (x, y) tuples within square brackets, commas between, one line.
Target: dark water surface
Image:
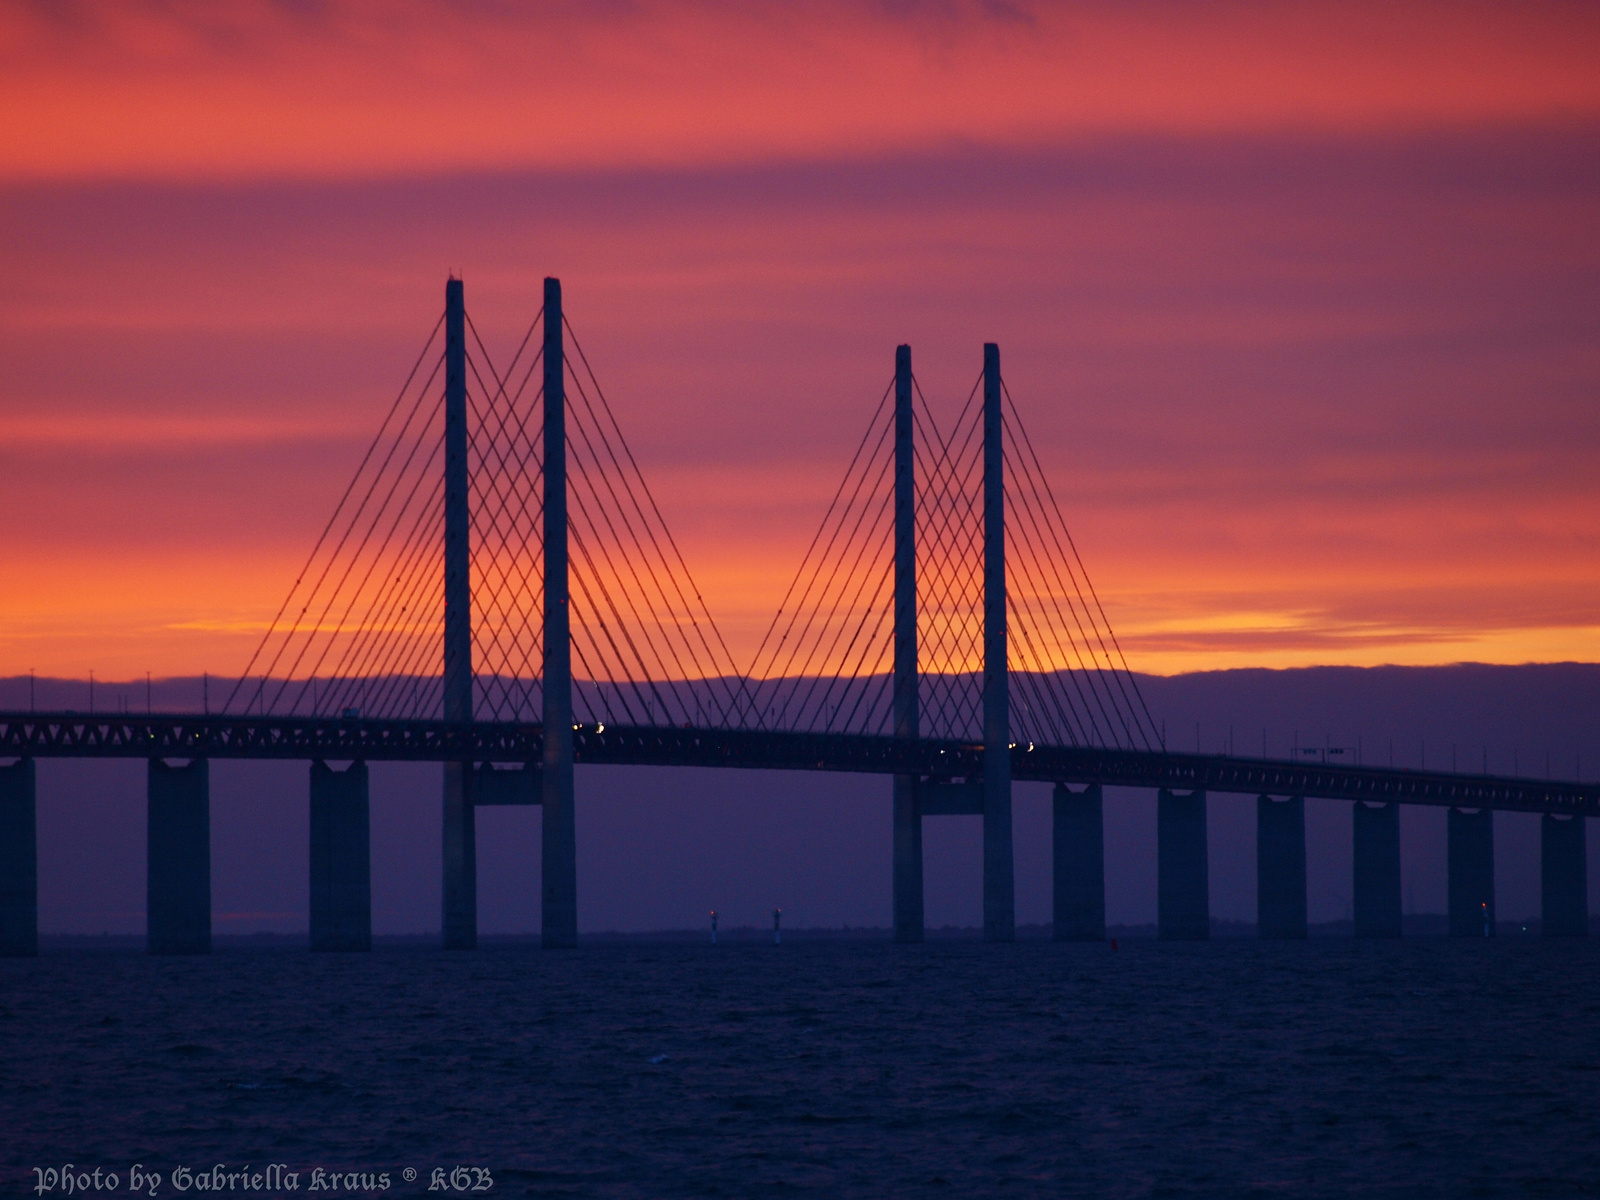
[(1328, 1068)]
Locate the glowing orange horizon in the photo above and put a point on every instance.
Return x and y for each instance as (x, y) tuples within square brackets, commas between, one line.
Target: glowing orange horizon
[(176, 620)]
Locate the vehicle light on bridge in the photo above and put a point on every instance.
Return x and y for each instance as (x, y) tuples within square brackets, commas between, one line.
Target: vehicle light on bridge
[(600, 727)]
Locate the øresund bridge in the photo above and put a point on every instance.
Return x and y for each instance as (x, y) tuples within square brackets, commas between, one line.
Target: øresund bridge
[(940, 631)]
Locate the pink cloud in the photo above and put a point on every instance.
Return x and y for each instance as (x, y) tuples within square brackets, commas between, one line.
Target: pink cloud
[(357, 89), (1268, 376)]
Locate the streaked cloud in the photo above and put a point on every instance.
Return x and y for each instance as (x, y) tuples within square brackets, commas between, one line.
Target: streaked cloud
[(88, 434), (356, 88), (1306, 343)]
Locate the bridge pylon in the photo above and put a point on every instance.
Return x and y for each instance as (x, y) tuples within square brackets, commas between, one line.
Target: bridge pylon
[(999, 893), (990, 793), (460, 891), (559, 921), (559, 914), (908, 895)]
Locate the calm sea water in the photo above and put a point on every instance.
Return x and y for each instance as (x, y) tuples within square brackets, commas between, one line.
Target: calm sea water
[(847, 1068)]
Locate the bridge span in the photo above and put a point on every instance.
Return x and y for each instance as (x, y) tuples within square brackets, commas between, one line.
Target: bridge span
[(941, 631), (936, 763)]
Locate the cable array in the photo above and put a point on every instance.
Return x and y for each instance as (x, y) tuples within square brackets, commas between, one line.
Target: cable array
[(505, 468), (645, 650), (950, 571), (826, 662), (1070, 682), (362, 628), (361, 631)]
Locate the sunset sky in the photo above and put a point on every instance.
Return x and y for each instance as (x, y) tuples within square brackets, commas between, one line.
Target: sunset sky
[(1301, 302)]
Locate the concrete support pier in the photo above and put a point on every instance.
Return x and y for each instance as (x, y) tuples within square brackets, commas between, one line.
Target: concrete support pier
[(908, 888), (460, 930), (1079, 864), (1563, 876), (1183, 883), (178, 882), (1471, 866), (908, 896), (1281, 867), (19, 861), (1376, 829), (999, 890), (341, 860)]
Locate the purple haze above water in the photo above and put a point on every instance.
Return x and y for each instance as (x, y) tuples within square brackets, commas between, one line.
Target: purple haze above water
[(658, 848)]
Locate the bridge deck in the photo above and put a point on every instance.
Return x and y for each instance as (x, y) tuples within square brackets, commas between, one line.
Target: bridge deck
[(80, 735)]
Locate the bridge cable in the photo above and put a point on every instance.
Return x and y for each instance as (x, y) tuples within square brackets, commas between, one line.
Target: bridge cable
[(834, 593), (507, 551), (357, 557), (765, 663), (319, 624), (586, 471), (1124, 677), (952, 561), (737, 686), (333, 518), (950, 570)]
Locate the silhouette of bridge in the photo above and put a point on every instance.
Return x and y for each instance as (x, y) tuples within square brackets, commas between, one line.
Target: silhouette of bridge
[(941, 630)]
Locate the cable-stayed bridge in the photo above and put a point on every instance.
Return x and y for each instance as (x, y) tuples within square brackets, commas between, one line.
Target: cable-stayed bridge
[(498, 591)]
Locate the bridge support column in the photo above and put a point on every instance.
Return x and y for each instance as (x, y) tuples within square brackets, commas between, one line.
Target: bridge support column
[(560, 848), (1563, 876), (908, 894), (999, 890), (341, 861), (458, 836), (1281, 867), (19, 861), (1376, 830), (1079, 864), (178, 881), (1183, 883), (460, 861), (1471, 870)]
